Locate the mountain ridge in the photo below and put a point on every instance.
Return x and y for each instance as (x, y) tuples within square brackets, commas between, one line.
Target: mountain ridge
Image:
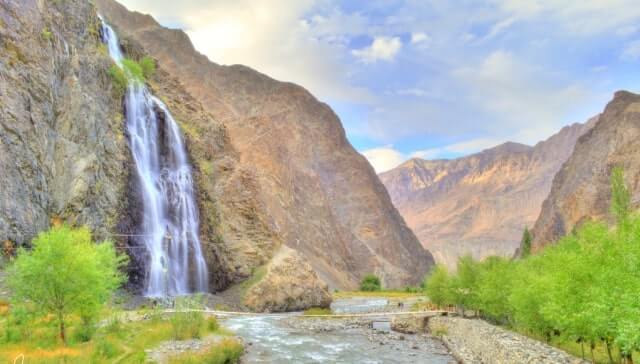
[(479, 204)]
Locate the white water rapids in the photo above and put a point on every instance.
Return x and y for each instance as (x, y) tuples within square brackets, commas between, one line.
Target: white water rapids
[(169, 230)]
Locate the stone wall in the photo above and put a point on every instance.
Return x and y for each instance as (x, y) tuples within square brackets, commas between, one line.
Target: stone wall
[(476, 341)]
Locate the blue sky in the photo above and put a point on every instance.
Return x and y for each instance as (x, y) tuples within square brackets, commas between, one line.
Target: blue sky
[(428, 78)]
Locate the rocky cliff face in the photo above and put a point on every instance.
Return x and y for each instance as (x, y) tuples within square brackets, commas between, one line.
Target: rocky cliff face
[(581, 189), (281, 172), (63, 154), (479, 204)]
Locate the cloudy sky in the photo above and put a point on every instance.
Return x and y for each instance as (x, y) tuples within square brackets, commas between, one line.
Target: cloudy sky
[(428, 78)]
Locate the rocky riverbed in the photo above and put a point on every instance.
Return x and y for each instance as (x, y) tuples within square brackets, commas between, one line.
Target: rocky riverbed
[(299, 339)]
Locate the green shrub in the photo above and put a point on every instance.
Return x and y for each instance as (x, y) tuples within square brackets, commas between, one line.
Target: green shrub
[(370, 282), (133, 70), (148, 66), (118, 78), (106, 349), (212, 324), (438, 286), (228, 351), (84, 332), (46, 34), (187, 325)]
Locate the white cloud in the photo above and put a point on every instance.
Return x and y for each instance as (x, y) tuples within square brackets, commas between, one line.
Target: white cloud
[(583, 17), (632, 51), (499, 27), (271, 37), (419, 37), (384, 158), (521, 95), (381, 49), (417, 92)]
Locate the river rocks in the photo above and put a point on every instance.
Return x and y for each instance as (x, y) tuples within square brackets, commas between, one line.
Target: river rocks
[(476, 341), (63, 154), (290, 284)]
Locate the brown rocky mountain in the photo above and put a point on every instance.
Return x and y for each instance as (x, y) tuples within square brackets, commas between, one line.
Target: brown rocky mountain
[(274, 167), (481, 203), (581, 189), (62, 147), (280, 189)]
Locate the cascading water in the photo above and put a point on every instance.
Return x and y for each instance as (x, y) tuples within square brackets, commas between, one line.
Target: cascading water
[(170, 217)]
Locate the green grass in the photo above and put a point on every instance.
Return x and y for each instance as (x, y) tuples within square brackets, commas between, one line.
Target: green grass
[(383, 293), (318, 311), (116, 340), (228, 351)]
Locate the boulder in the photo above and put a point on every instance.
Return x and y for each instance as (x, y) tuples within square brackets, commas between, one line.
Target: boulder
[(290, 284)]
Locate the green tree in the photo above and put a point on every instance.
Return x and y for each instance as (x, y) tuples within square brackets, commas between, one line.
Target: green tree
[(620, 197), (438, 286), (370, 282), (494, 288), (525, 243), (465, 283), (66, 273)]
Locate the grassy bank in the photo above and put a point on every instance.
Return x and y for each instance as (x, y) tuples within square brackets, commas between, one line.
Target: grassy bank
[(118, 338)]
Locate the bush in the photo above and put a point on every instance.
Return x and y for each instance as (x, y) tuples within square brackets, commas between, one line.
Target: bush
[(438, 286), (370, 282), (187, 325), (46, 34), (212, 324), (133, 70), (118, 78), (228, 351), (148, 66), (106, 349), (65, 273)]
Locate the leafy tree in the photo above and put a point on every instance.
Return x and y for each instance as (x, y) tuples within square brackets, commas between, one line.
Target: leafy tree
[(494, 288), (370, 282), (438, 286), (525, 243), (66, 273), (465, 283), (620, 196)]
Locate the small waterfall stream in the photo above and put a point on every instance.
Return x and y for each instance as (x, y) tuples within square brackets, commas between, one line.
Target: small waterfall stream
[(169, 230)]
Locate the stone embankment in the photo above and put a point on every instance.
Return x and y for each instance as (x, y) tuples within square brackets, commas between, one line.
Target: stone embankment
[(476, 341)]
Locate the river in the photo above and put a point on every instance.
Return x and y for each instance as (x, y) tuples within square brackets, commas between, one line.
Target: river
[(292, 339)]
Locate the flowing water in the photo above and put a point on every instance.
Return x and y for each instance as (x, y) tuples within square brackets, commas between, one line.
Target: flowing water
[(169, 230), (270, 339)]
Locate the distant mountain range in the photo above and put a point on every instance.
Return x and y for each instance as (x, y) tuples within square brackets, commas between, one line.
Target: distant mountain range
[(479, 204)]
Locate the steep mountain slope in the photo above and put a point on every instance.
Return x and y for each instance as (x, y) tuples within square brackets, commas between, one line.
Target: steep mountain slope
[(479, 204), (581, 189), (292, 177), (63, 154)]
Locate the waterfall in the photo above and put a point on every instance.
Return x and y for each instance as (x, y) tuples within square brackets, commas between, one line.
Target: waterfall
[(169, 230)]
